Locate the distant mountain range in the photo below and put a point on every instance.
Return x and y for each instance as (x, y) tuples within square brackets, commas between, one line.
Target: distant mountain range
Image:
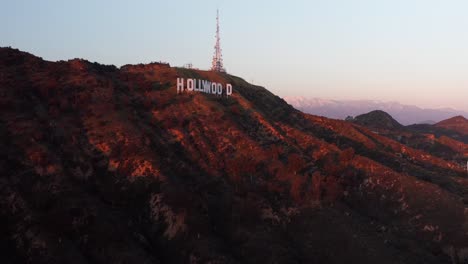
[(405, 114)]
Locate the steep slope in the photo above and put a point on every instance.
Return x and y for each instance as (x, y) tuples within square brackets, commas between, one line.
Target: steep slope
[(107, 165)]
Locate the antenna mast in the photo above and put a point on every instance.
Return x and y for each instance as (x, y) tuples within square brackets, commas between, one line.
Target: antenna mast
[(217, 64)]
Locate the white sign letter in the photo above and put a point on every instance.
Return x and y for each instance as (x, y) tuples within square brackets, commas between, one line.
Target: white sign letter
[(219, 89), (190, 84), (213, 88), (228, 89), (180, 85), (206, 86), (199, 86)]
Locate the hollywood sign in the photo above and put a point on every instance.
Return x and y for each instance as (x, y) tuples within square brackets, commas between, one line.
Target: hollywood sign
[(203, 86)]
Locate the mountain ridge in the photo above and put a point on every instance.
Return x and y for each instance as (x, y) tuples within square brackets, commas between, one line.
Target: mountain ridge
[(103, 165)]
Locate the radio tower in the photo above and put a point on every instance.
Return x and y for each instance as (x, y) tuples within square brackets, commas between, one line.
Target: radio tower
[(217, 64)]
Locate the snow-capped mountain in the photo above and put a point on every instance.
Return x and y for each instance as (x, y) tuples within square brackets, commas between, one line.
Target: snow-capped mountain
[(405, 114)]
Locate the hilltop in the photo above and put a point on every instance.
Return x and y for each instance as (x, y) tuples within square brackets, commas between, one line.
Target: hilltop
[(378, 119), (102, 164), (457, 123)]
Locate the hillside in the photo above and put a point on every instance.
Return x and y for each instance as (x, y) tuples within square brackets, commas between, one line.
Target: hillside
[(110, 165), (437, 141)]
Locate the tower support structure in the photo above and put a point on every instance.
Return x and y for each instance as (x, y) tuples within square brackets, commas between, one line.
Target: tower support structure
[(217, 63)]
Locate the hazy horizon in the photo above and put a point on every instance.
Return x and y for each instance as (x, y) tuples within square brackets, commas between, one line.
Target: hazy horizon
[(415, 53)]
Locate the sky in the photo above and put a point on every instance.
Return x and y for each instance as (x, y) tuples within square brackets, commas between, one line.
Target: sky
[(411, 51)]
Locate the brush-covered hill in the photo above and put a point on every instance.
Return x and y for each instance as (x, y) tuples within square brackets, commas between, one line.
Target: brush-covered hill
[(445, 143), (458, 124), (110, 165), (378, 120)]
